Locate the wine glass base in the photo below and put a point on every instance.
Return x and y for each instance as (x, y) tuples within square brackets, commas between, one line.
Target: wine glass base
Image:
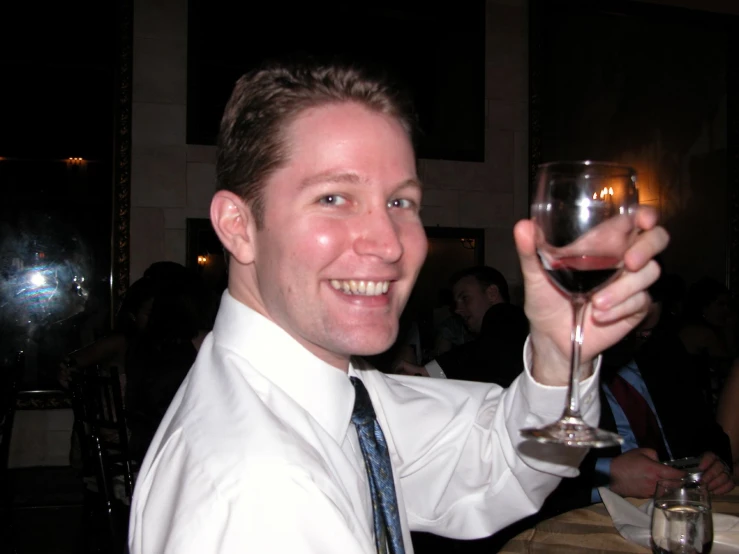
[(573, 432)]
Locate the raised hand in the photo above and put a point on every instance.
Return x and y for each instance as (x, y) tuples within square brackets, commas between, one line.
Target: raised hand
[(615, 310)]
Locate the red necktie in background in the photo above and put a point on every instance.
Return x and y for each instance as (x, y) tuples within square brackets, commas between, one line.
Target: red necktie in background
[(641, 418)]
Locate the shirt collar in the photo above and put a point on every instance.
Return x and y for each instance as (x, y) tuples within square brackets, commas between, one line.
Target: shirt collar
[(322, 390)]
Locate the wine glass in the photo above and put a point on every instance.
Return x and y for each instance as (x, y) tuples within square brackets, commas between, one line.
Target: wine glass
[(584, 218), (682, 521)]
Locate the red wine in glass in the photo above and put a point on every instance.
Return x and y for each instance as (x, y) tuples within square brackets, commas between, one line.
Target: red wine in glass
[(582, 274)]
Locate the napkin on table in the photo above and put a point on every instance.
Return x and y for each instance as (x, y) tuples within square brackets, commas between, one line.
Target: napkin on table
[(634, 522)]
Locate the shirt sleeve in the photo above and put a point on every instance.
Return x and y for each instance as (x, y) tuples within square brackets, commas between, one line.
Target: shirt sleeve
[(464, 469), (602, 467), (179, 510)]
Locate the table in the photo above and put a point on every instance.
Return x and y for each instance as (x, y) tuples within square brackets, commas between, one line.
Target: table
[(589, 530)]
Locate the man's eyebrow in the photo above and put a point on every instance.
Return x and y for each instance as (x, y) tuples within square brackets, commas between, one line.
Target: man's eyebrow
[(331, 177), (412, 182), (350, 178)]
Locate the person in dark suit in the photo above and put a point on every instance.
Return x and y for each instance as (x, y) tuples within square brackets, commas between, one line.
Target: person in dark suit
[(482, 300), (653, 364)]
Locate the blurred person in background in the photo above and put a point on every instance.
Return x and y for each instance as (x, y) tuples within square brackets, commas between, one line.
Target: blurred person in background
[(708, 333), (164, 351), (500, 329)]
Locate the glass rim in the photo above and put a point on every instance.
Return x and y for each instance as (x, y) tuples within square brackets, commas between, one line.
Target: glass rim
[(669, 483), (586, 163)]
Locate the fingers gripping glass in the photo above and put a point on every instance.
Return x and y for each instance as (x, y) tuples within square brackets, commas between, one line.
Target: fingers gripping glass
[(584, 219)]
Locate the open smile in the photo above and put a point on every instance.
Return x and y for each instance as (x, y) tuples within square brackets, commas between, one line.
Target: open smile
[(361, 287)]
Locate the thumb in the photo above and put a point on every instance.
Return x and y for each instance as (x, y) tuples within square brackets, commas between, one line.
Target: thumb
[(668, 472), (650, 453), (524, 236), (706, 460)]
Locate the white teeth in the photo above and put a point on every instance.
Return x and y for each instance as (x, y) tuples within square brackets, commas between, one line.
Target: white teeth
[(365, 288)]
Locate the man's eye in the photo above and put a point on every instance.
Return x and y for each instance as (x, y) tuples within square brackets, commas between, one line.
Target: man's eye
[(402, 203), (332, 200)]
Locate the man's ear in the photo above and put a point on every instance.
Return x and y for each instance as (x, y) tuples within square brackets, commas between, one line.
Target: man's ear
[(234, 224), (493, 294)]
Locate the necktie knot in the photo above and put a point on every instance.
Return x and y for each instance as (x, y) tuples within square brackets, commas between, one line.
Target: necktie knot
[(363, 413)]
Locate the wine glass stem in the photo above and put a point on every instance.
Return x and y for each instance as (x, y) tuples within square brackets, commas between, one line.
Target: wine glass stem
[(579, 304)]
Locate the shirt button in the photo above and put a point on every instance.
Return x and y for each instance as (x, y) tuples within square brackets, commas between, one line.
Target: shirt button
[(588, 401)]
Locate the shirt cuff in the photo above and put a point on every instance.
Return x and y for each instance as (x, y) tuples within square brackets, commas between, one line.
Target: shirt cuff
[(550, 396), (602, 468), (528, 360)]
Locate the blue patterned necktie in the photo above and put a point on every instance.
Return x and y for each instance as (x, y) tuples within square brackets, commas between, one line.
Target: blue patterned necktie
[(388, 535)]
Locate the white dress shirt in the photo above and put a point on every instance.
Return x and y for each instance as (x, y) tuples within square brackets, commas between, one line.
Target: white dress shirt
[(257, 454)]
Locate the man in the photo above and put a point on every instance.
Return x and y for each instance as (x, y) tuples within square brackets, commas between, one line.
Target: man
[(263, 449), (449, 329), (494, 356), (648, 396)]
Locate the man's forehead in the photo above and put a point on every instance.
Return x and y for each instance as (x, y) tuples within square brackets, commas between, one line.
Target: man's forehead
[(465, 284), (331, 129)]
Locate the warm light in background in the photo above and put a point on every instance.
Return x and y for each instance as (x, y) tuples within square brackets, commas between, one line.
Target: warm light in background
[(468, 243), (605, 193), (652, 202), (75, 161), (202, 260)]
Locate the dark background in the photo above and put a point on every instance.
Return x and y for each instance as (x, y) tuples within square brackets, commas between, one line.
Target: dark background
[(57, 93), (650, 87), (436, 51)]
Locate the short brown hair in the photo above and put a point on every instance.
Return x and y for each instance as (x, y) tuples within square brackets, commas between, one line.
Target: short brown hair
[(486, 276), (251, 144)]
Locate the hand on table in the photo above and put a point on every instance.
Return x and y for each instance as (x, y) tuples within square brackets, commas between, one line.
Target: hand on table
[(716, 474), (636, 472), (615, 310)]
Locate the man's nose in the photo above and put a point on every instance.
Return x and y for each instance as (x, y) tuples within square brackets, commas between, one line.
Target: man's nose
[(379, 236)]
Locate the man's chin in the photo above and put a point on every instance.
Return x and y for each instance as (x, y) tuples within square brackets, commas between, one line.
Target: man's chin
[(374, 346), (371, 350)]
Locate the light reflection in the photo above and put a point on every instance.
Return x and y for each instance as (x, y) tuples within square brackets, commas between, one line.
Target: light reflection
[(40, 288), (37, 279)]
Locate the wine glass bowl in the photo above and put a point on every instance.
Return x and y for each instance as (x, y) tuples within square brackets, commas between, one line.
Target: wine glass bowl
[(583, 214)]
